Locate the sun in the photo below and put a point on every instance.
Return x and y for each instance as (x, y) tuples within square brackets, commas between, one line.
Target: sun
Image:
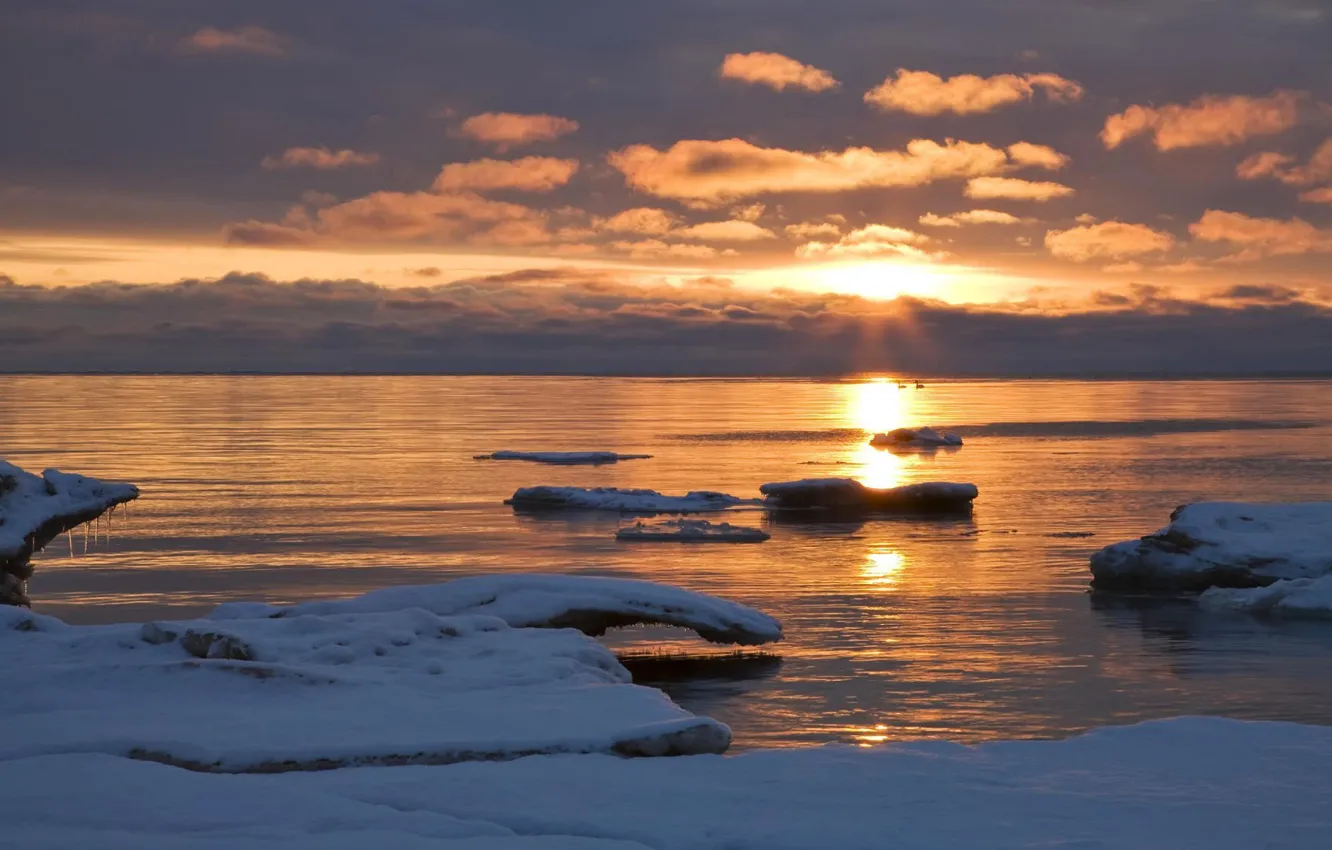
[(882, 279)]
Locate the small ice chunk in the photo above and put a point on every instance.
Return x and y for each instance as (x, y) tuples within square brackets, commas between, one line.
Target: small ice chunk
[(691, 531), (545, 497), (1223, 544), (563, 458), (848, 494), (919, 438), (1298, 597)]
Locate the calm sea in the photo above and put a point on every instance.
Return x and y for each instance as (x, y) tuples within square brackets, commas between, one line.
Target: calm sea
[(288, 488)]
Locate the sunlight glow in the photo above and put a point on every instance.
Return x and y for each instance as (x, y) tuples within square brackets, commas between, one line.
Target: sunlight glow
[(880, 469), (883, 569)]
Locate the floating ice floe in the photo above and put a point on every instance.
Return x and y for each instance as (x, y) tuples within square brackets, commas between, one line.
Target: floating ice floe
[(563, 458), (620, 499), (691, 531), (1223, 544), (1178, 784), (915, 438), (35, 509), (372, 680), (1296, 597), (847, 494), (591, 604)]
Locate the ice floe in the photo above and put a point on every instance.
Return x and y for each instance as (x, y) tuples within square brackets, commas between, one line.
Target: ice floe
[(691, 531), (35, 509), (563, 458), (847, 494), (590, 604), (1296, 597), (545, 497), (1177, 784), (1223, 544), (312, 692), (915, 438)]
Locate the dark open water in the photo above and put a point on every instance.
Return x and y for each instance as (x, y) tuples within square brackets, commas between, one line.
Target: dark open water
[(299, 487)]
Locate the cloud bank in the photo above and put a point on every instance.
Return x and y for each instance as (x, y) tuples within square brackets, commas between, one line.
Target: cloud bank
[(546, 321)]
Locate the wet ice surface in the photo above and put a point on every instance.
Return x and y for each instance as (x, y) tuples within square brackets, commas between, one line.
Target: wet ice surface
[(971, 628)]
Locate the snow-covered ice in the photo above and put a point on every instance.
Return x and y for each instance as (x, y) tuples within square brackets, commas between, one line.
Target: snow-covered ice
[(623, 500), (1223, 544), (309, 692), (848, 494), (562, 458), (915, 438), (1296, 597), (590, 604), (1185, 784), (691, 531), (34, 509)]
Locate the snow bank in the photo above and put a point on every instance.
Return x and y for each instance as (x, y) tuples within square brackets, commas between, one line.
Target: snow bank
[(849, 494), (627, 501), (312, 692), (915, 438), (1297, 597), (562, 458), (590, 604), (1188, 784), (691, 531), (1223, 544), (36, 509)]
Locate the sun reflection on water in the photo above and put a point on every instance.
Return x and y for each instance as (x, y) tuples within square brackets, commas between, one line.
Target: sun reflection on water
[(883, 569)]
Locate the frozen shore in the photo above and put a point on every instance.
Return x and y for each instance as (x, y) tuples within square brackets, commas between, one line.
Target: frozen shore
[(475, 669), (1185, 784)]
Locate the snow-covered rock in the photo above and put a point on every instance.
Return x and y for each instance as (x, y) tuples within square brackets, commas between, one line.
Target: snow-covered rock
[(1223, 544), (35, 509), (312, 692), (847, 494), (1296, 597), (691, 531), (591, 604), (915, 438), (562, 458), (623, 500), (1185, 784)]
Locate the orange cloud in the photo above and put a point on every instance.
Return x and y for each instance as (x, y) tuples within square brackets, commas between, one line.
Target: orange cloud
[(923, 93), (645, 220), (872, 240), (1260, 237), (970, 217), (1108, 240), (653, 248), (507, 130), (320, 157), (248, 39), (1282, 167), (1037, 156), (775, 71), (1265, 164), (529, 174), (1210, 120), (717, 171), (398, 216), (748, 212), (813, 230), (985, 188), (1318, 196), (727, 231)]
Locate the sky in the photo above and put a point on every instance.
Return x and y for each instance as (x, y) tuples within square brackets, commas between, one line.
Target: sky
[(685, 187)]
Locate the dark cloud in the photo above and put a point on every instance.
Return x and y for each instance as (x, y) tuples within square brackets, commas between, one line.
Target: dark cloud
[(562, 321)]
